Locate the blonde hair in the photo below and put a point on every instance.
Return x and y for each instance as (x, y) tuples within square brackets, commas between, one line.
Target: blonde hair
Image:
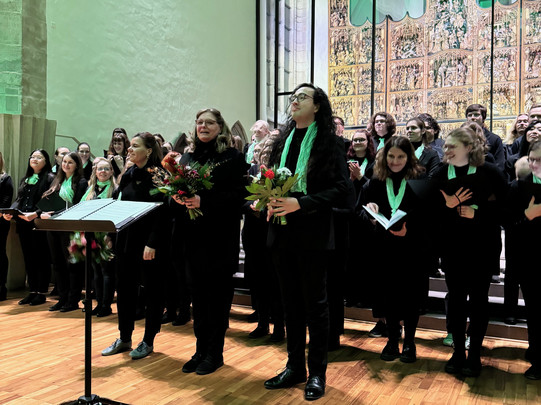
[(468, 137), (94, 179)]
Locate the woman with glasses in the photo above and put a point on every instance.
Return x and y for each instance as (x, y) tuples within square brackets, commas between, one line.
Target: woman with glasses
[(468, 196), (37, 262), (361, 155), (102, 185), (83, 149), (523, 209), (301, 250), (210, 242), (141, 251), (382, 126), (118, 150), (6, 195), (70, 185)]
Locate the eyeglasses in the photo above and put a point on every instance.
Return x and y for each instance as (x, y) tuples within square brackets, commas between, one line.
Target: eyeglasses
[(358, 140), (534, 160), (103, 169), (380, 121), (299, 97), (206, 123)]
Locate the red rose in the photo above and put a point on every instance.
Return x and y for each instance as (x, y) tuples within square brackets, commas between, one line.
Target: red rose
[(169, 162), (269, 174), (180, 192)]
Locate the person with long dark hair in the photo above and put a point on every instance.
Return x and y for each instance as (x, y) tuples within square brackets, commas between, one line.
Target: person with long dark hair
[(361, 155), (469, 194), (118, 150), (140, 250), (301, 249), (37, 263), (432, 133), (70, 184), (210, 267), (428, 157), (83, 149), (6, 194)]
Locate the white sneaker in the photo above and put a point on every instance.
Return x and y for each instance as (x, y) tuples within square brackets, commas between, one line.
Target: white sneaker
[(118, 346)]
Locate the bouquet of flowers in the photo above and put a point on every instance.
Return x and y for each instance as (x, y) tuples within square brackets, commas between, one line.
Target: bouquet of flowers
[(182, 180), (100, 248), (271, 184)]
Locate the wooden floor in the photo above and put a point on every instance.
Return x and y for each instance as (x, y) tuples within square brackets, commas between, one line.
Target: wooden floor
[(42, 362)]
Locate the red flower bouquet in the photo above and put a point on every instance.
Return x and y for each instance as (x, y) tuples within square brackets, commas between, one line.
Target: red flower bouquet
[(183, 180), (271, 184), (101, 250)]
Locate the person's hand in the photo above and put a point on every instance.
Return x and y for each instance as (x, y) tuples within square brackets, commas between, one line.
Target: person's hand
[(375, 208), (46, 215), (193, 202), (178, 199), (457, 198), (253, 205), (282, 206), (465, 211), (28, 216), (149, 253), (8, 217), (119, 161), (401, 232), (355, 171), (533, 211)]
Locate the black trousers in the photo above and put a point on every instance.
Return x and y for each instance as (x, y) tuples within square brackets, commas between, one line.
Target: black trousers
[(336, 281), (132, 271), (69, 277), (463, 280), (4, 263), (104, 282), (302, 275), (37, 258), (530, 280), (211, 288)]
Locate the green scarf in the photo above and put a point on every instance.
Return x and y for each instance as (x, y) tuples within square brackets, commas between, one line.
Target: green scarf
[(250, 152), (304, 155), (419, 151), (32, 179), (101, 184), (66, 191), (395, 199), (381, 143), (363, 166), (451, 174), (536, 179)]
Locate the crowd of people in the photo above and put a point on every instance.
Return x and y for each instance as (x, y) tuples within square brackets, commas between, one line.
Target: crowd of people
[(369, 220)]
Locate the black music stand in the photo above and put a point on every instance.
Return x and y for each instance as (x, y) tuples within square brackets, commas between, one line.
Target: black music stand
[(102, 215)]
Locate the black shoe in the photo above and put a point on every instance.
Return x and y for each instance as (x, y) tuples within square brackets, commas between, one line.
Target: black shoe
[(104, 311), (390, 351), (510, 320), (278, 334), (191, 365), (334, 343), (54, 292), (380, 330), (455, 364), (28, 299), (409, 353), (168, 317), (208, 366), (472, 367), (182, 319), (96, 310), (533, 373), (3, 293), (259, 332), (315, 388), (253, 317), (38, 299), (286, 379), (69, 307), (57, 307)]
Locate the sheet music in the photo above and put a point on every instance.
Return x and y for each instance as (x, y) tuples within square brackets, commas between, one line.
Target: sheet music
[(116, 213), (80, 211)]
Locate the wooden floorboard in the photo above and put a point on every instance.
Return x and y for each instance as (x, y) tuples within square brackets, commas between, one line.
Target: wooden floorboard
[(42, 363)]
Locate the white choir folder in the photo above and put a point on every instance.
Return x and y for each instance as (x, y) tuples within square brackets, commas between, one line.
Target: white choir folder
[(386, 223), (100, 215)]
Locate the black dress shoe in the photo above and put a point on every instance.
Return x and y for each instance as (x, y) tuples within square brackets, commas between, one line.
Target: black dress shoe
[(259, 332), (191, 365), (315, 388), (57, 307), (278, 335), (472, 367), (38, 299), (510, 320), (409, 353), (27, 299), (182, 319), (96, 310), (286, 379), (168, 317), (390, 351), (104, 311), (455, 364), (69, 307), (208, 366), (533, 373), (253, 317)]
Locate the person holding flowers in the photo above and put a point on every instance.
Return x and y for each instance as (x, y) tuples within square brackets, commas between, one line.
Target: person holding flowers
[(102, 185), (141, 250), (210, 240), (301, 249)]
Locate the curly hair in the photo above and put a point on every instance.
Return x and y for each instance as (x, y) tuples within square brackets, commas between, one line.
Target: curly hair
[(370, 150), (468, 137), (389, 121), (413, 168), (431, 122), (224, 138)]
